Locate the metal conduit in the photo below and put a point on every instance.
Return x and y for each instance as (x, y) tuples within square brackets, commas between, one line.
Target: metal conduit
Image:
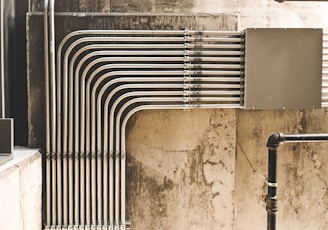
[(88, 80), (127, 80), (92, 125), (47, 99), (131, 86), (145, 86), (150, 107), (196, 101), (49, 42), (324, 100)]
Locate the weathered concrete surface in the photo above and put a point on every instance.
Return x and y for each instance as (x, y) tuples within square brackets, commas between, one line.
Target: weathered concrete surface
[(73, 6), (146, 6), (172, 183), (302, 191), (20, 191), (181, 169), (152, 6), (269, 13)]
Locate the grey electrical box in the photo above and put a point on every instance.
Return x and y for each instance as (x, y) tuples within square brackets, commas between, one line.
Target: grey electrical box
[(283, 68)]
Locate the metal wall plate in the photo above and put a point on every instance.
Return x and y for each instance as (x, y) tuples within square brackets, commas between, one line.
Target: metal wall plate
[(6, 136), (283, 68)]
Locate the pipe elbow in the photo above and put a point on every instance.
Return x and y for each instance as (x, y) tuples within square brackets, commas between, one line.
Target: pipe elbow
[(275, 139)]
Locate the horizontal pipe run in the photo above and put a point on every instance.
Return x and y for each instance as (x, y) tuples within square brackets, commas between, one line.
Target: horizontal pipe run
[(144, 32), (305, 137)]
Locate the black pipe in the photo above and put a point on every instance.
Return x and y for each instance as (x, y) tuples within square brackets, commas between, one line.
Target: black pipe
[(273, 144)]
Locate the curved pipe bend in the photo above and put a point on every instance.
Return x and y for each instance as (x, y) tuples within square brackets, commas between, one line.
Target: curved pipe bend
[(275, 139)]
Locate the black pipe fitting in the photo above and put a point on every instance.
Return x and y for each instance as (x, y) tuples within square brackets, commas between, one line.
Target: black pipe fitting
[(275, 139), (272, 206)]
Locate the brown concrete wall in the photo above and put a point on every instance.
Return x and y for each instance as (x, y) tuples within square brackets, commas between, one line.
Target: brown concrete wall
[(130, 6), (195, 169), (181, 169)]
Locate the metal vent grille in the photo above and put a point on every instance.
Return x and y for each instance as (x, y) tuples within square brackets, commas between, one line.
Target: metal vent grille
[(104, 77), (324, 102)]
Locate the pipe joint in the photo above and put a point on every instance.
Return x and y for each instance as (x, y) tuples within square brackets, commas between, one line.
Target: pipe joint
[(186, 76), (123, 155), (271, 204), (186, 56), (275, 139), (117, 155), (111, 155)]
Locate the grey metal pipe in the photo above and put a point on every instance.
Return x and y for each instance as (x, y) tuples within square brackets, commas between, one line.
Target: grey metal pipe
[(48, 153), (130, 86), (107, 102), (82, 62), (148, 107), (128, 80), (117, 128), (143, 32), (56, 172), (92, 141), (88, 119)]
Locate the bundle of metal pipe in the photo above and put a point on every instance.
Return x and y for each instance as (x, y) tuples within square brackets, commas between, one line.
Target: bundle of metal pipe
[(102, 78), (98, 80)]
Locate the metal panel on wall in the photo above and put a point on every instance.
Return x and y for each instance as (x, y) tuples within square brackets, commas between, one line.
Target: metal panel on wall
[(283, 68)]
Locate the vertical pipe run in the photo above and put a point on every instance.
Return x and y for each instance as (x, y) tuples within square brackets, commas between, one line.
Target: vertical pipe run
[(48, 153), (271, 199)]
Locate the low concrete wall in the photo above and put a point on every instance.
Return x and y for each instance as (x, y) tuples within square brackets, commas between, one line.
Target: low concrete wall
[(20, 191)]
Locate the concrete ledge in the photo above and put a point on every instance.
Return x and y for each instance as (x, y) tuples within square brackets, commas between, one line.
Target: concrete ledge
[(21, 191)]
